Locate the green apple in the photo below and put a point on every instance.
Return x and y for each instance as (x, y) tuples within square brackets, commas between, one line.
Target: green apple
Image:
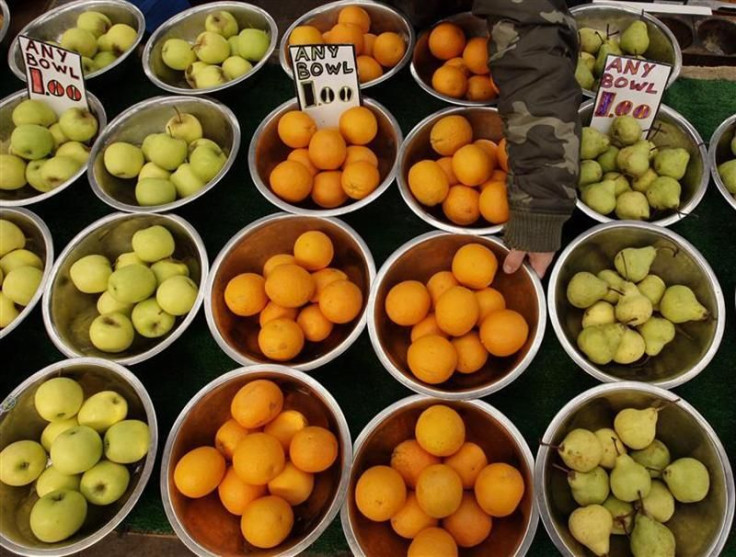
[(127, 258), (165, 151), (207, 163), (12, 172), (88, 65), (105, 483), (127, 442), (58, 515), (192, 70), (235, 66), (31, 142), (32, 111), (79, 40), (19, 258), (167, 268), (104, 58), (150, 320), (58, 170), (90, 273), (177, 295), (211, 48), (208, 77), (74, 150), (150, 192), (21, 463), (104, 44), (186, 181), (102, 410), (94, 22), (152, 170), (58, 399), (123, 160), (106, 303), (234, 43), (34, 178), (132, 284), (21, 284), (76, 450), (112, 332), (177, 54), (153, 243), (204, 142), (8, 311), (11, 237), (54, 429), (78, 124), (53, 480), (121, 37), (58, 135), (184, 126), (253, 44), (222, 22)]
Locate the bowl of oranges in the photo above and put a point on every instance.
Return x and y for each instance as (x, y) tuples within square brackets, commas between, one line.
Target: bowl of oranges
[(290, 288), (327, 171), (382, 37), (450, 61), (432, 478), (256, 464), (443, 321), (453, 168)]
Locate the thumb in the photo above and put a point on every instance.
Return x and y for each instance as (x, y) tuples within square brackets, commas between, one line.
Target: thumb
[(513, 261)]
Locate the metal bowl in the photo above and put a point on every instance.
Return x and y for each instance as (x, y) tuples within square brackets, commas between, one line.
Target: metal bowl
[(27, 194), (720, 152), (419, 259), (424, 64), (678, 263), (383, 18), (39, 241), (266, 151), (484, 425), (663, 46), (5, 25), (19, 420), (67, 312), (204, 525), (671, 130), (150, 116), (486, 123), (247, 252), (190, 23), (700, 528), (50, 26)]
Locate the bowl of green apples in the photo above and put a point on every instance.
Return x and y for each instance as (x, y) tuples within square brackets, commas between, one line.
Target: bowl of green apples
[(77, 445), (125, 287), (722, 158)]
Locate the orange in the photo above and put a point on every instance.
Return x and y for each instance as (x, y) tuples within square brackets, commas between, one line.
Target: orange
[(471, 354), (475, 55), (259, 458), (274, 311), (457, 311), (439, 283), (281, 339), (499, 175), (267, 522), (313, 250), (257, 403), (368, 68), (450, 81), (494, 203), (458, 63), (504, 332), (292, 485), (302, 157), (428, 182), (341, 301), (347, 33), (446, 165), (440, 430), (411, 519), (285, 426), (446, 41), (369, 39), (245, 294), (388, 49), (473, 265), (461, 206), (468, 462), (291, 181), (199, 472), (380, 493), (355, 15), (468, 525), (296, 128), (489, 300), (409, 459), (326, 36), (327, 189), (499, 489), (427, 326), (316, 326), (480, 89), (235, 494), (360, 179), (432, 359), (503, 155), (358, 153), (358, 125), (325, 277), (472, 165), (432, 542), (439, 490), (228, 436), (450, 133), (490, 148), (276, 260), (493, 84), (327, 149), (407, 303), (289, 285), (313, 449), (305, 34)]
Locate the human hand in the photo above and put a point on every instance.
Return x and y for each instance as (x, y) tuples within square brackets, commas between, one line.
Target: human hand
[(538, 261)]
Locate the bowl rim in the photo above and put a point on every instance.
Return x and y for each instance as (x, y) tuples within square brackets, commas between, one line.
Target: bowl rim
[(700, 189), (120, 122), (484, 407), (322, 360), (53, 12), (150, 458), (96, 108), (540, 486), (181, 16), (5, 11), (48, 243), (436, 390), (726, 125), (280, 371), (322, 8), (683, 244), (417, 208), (284, 205), (164, 343)]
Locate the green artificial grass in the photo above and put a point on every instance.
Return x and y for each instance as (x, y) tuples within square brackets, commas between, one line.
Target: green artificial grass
[(357, 380)]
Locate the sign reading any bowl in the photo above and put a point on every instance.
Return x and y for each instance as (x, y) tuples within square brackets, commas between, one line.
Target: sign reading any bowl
[(630, 86), (326, 80), (55, 75)]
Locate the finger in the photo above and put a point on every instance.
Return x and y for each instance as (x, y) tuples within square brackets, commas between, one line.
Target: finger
[(540, 262), (513, 261)]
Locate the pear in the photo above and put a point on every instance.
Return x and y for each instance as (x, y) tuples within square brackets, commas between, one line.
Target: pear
[(621, 182), (601, 196), (581, 450), (615, 285), (612, 446), (654, 457), (642, 183), (651, 539), (590, 172), (633, 308), (733, 145), (633, 161), (659, 504), (585, 289), (607, 159), (672, 162), (631, 349), (584, 76), (653, 288), (630, 481), (601, 342), (609, 47), (679, 305), (648, 146), (664, 193), (636, 428), (727, 172), (600, 313), (592, 526), (589, 488), (593, 143), (656, 332), (590, 40), (587, 60), (622, 513), (633, 263), (635, 39), (632, 205), (624, 130), (687, 479)]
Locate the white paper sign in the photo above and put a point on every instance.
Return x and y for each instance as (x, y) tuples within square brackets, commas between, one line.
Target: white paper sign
[(326, 79), (629, 86), (54, 75)]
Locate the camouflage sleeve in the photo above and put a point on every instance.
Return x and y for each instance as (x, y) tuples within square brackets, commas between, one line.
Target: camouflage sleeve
[(532, 57)]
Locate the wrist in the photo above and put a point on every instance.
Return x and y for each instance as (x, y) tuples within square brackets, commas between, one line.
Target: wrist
[(534, 232)]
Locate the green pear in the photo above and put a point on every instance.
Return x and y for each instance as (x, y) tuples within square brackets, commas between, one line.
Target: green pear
[(589, 488), (31, 142), (622, 514), (593, 143), (633, 308), (656, 332), (635, 38), (625, 130), (647, 146), (631, 349), (612, 446), (630, 481), (607, 159), (653, 288), (585, 289), (642, 183), (12, 172), (590, 39), (672, 162), (687, 479), (609, 47), (651, 539), (659, 504), (621, 182), (584, 76), (636, 428), (654, 457), (615, 285), (633, 161), (664, 193), (634, 263), (601, 196), (592, 526), (679, 305), (632, 205), (600, 343), (32, 111), (727, 172), (581, 450), (587, 59), (600, 313)]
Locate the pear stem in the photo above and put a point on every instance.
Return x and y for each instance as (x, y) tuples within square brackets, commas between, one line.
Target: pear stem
[(667, 403), (561, 468), (683, 333), (615, 446), (653, 469), (674, 249), (550, 445)]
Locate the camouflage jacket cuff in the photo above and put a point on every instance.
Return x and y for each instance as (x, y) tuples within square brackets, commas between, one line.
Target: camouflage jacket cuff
[(534, 232)]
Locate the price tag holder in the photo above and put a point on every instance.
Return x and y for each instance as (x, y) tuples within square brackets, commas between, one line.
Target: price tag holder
[(326, 80), (54, 75), (629, 86)]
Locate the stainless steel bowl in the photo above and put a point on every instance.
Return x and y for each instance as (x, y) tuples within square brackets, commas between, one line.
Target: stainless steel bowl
[(19, 420), (39, 241), (484, 425), (5, 25), (419, 259), (28, 195), (671, 130), (679, 262), (266, 151), (384, 18), (700, 528), (486, 123), (204, 525), (720, 152), (663, 46), (50, 26), (247, 252), (150, 116), (424, 64), (190, 23), (67, 312)]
